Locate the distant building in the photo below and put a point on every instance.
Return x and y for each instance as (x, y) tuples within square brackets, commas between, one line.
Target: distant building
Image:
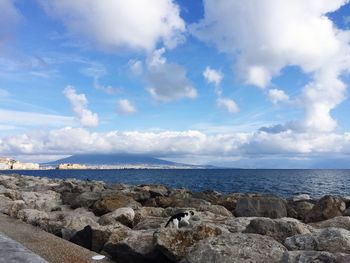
[(66, 166), (11, 164)]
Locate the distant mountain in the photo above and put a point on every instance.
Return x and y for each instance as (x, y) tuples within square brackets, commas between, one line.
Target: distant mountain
[(114, 159)]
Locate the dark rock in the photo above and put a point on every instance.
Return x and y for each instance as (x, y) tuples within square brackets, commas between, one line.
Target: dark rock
[(327, 207), (112, 202), (301, 208), (83, 238), (278, 229), (264, 206)]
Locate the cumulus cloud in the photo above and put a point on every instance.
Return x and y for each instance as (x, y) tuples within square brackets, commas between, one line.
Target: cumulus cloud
[(167, 81), (277, 95), (79, 104), (114, 24), (126, 107), (212, 76), (173, 143), (266, 36), (227, 104)]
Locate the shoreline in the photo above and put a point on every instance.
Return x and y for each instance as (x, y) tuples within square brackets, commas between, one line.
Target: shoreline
[(126, 222)]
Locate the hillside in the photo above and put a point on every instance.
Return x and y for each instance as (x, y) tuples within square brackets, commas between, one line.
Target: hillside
[(114, 159)]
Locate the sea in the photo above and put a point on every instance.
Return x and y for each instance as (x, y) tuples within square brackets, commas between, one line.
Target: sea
[(285, 183)]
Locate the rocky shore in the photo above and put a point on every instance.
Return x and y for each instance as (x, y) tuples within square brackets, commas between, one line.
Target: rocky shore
[(126, 223)]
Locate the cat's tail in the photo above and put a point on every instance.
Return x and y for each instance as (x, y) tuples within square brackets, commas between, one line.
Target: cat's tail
[(168, 222)]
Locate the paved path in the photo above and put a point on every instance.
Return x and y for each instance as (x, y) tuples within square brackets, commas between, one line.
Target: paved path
[(47, 246), (13, 252)]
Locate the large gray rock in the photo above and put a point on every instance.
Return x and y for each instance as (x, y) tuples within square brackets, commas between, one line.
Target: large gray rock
[(327, 207), (339, 222), (174, 243), (302, 208), (86, 199), (111, 202), (76, 221), (33, 216), (45, 201), (238, 224), (278, 229), (171, 201), (10, 207), (124, 215), (151, 223), (134, 247), (236, 248), (314, 257), (328, 239), (261, 206)]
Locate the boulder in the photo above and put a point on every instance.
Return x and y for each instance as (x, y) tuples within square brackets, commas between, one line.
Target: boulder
[(328, 239), (301, 197), (261, 206), (236, 248), (327, 207), (112, 202), (86, 199), (238, 224), (314, 257), (278, 229), (144, 212), (134, 247), (33, 216), (302, 208), (156, 189), (170, 201), (124, 215), (76, 221), (44, 201), (339, 222), (10, 207), (174, 243), (151, 223)]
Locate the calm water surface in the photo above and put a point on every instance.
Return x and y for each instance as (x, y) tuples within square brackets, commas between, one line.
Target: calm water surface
[(279, 182)]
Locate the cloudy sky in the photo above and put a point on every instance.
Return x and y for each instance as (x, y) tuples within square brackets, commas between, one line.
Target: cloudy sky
[(254, 83)]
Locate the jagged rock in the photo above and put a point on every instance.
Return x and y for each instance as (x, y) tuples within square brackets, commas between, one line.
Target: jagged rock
[(238, 224), (261, 206), (76, 221), (124, 215), (156, 190), (170, 201), (302, 208), (151, 223), (10, 207), (134, 247), (76, 186), (143, 212), (112, 202), (314, 257), (86, 199), (174, 243), (327, 239), (44, 201), (278, 229), (33, 216), (327, 207), (236, 248), (339, 222)]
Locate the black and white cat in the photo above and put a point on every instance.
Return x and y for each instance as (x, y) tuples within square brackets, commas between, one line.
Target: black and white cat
[(180, 218)]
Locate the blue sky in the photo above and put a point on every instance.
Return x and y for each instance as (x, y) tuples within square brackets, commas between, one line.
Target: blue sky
[(241, 84)]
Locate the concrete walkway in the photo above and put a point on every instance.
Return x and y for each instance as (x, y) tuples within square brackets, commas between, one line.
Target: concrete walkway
[(13, 252), (47, 247)]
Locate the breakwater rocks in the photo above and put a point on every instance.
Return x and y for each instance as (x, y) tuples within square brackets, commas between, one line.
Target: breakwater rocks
[(127, 222)]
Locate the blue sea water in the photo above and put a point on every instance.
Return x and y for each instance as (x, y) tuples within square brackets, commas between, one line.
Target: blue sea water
[(278, 182)]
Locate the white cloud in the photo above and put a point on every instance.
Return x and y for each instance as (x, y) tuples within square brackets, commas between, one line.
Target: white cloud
[(277, 95), (167, 81), (213, 76), (266, 36), (114, 24), (125, 107), (173, 143), (79, 103), (33, 119), (136, 67), (227, 104)]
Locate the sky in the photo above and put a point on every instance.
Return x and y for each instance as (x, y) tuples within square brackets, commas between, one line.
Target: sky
[(249, 84)]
